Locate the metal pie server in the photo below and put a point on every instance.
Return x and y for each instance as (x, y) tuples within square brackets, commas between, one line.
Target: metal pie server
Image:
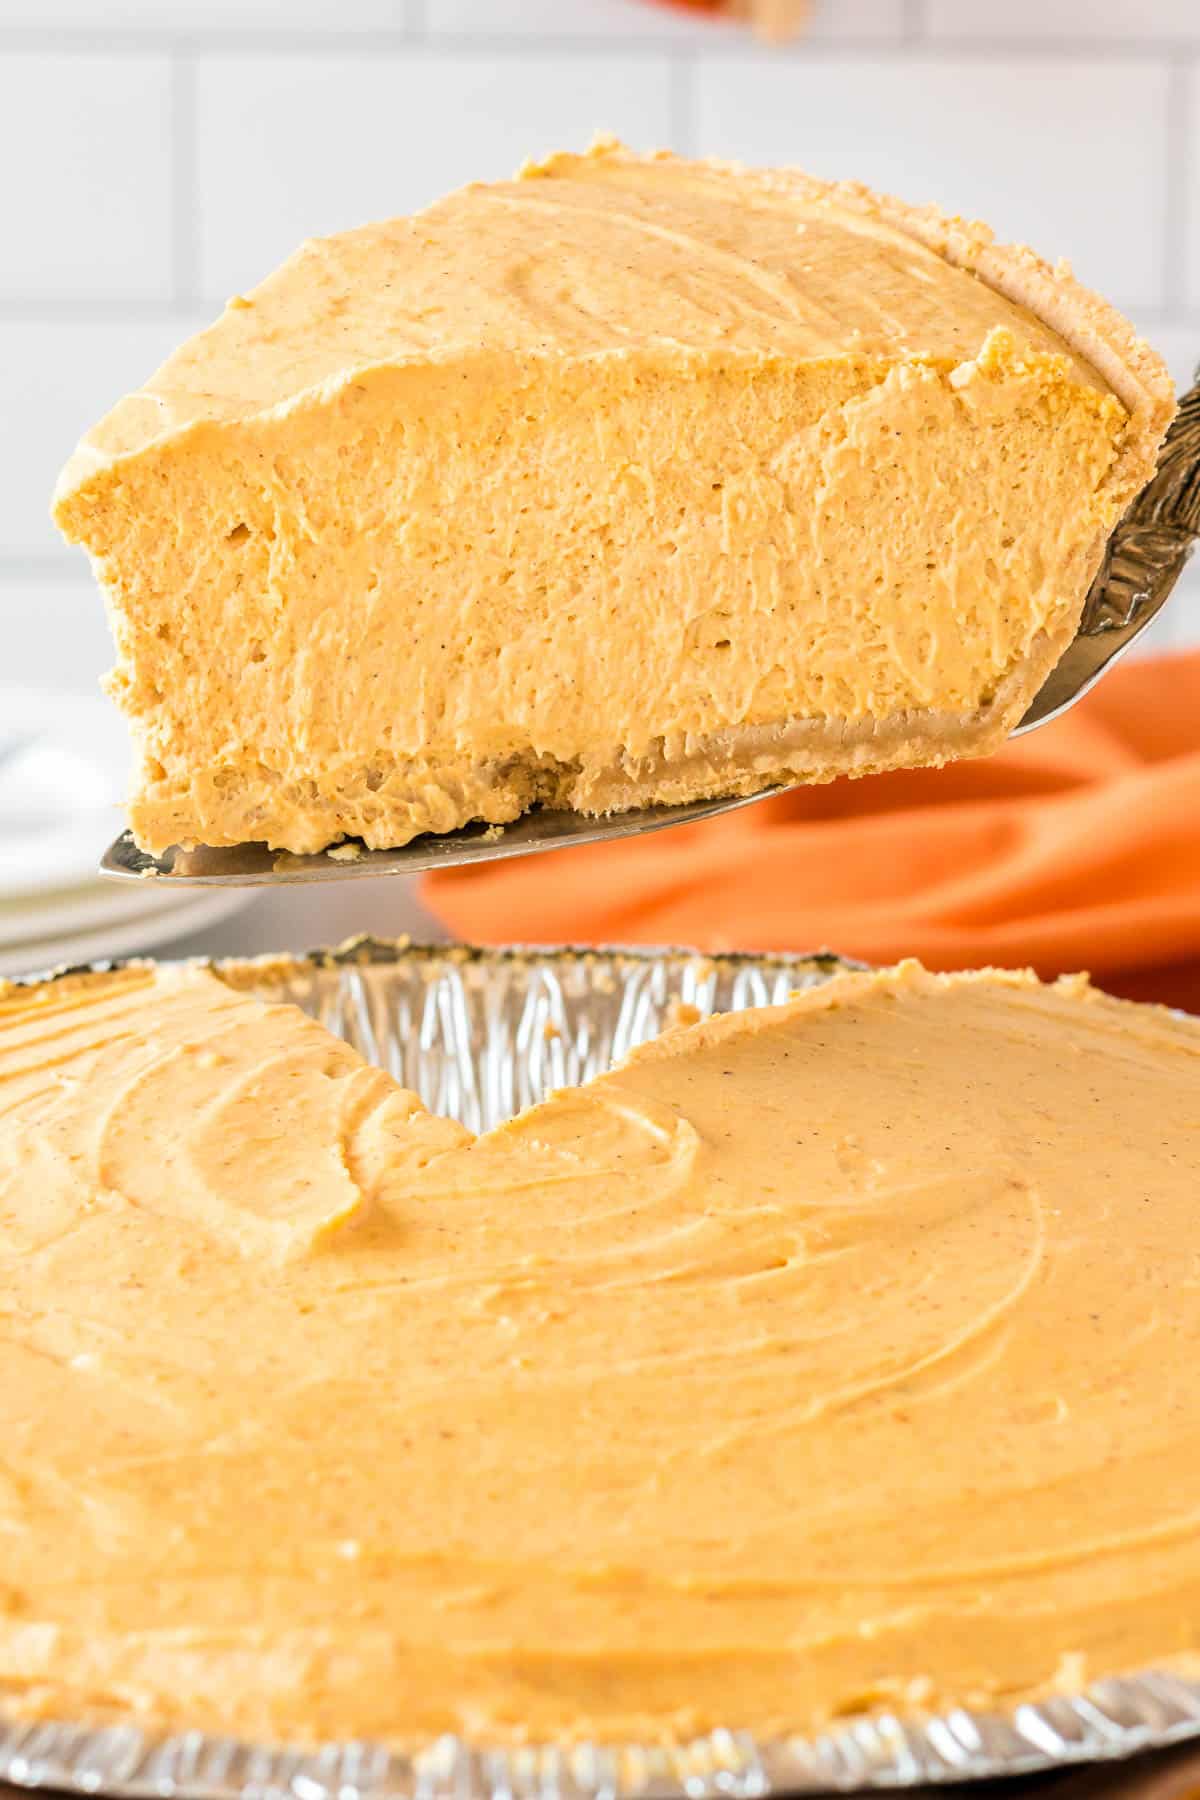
[(1143, 560)]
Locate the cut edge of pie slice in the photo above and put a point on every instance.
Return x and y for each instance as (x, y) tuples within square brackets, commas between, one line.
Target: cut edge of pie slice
[(633, 480)]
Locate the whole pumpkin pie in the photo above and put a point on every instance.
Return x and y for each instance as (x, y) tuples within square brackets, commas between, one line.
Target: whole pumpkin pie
[(632, 480), (821, 1357)]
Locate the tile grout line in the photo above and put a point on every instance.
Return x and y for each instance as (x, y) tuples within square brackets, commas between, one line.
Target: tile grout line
[(55, 309), (185, 257), (1054, 49)]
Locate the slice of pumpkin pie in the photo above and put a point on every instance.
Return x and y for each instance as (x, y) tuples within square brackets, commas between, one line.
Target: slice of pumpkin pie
[(633, 479)]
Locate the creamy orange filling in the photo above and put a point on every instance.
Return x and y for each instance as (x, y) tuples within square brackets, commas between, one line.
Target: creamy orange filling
[(824, 1356)]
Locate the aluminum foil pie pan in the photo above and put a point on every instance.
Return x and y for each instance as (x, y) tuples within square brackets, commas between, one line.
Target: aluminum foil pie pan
[(480, 1034)]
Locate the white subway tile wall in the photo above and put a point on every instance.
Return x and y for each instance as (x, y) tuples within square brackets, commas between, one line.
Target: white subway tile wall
[(167, 153), (59, 375), (1004, 138), (279, 18), (294, 146), (84, 144), (60, 632)]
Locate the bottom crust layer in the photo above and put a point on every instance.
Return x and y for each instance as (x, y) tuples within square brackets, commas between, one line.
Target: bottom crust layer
[(391, 800)]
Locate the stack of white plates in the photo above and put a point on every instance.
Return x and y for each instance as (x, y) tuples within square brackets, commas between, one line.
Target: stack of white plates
[(63, 766)]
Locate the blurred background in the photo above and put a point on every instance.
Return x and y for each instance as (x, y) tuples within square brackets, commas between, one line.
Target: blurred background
[(161, 155)]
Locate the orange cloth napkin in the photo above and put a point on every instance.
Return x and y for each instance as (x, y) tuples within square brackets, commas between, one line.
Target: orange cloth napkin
[(1075, 847)]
